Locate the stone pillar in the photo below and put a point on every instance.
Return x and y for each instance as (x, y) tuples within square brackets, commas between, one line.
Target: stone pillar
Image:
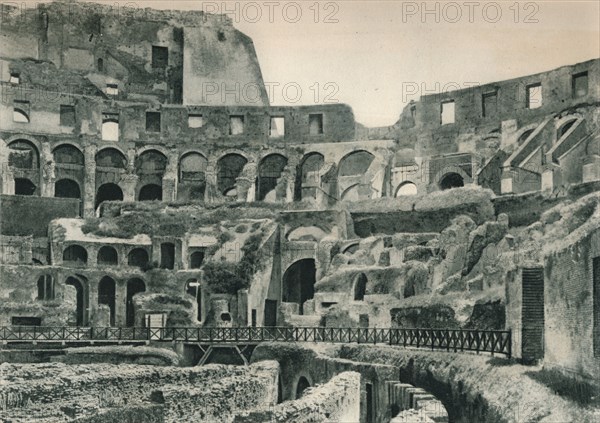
[(169, 182), (48, 176), (120, 303), (92, 303), (506, 183), (551, 177), (507, 133), (169, 189), (89, 183), (128, 184), (246, 182)]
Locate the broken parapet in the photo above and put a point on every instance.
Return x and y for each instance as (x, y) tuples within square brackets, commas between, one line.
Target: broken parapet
[(336, 401), (415, 404)]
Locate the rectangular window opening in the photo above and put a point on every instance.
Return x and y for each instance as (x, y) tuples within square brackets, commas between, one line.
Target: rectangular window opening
[(489, 104), (110, 127), (534, 96), (152, 121), (315, 123), (236, 125), (112, 89), (15, 78), (277, 127), (160, 57), (67, 115), (447, 114), (580, 84), (195, 121)]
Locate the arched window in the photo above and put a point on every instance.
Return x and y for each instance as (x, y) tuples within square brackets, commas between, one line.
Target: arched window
[(229, 167), (299, 282), (451, 180), (106, 296), (406, 189), (270, 169), (134, 286), (107, 255), (23, 155), (75, 254), (356, 163), (111, 157), (110, 127), (67, 154), (196, 259), (138, 257), (109, 192), (66, 188), (150, 192), (360, 287)]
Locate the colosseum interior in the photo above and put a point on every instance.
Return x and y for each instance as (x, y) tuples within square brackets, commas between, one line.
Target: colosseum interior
[(169, 255)]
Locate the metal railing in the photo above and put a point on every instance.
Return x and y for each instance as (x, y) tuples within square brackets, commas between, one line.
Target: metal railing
[(492, 341)]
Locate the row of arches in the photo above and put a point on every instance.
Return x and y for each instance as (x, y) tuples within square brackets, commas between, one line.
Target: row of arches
[(76, 255), (107, 295)]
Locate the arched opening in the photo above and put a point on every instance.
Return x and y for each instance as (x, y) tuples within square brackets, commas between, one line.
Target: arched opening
[(138, 257), (194, 289), (45, 286), (20, 116), (107, 256), (75, 255), (409, 289), (134, 286), (564, 128), (356, 163), (109, 192), (308, 180), (167, 255), (111, 158), (68, 155), (24, 186), (406, 189), (451, 180), (80, 298), (299, 282), (192, 176), (360, 287), (229, 168), (106, 296), (196, 259), (23, 155), (303, 385), (67, 188), (150, 192), (524, 136), (270, 169), (110, 129)]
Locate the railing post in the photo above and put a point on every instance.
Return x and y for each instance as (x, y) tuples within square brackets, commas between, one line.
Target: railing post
[(509, 342)]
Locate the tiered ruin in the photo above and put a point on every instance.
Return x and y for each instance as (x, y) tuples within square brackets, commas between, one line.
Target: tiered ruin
[(143, 185)]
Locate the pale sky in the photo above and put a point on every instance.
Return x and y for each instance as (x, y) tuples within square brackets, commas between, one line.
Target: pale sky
[(379, 52)]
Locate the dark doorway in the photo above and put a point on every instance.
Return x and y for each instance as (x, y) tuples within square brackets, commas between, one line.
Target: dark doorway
[(75, 255), (533, 315), (299, 282), (79, 310), (269, 171), (270, 313), (229, 167), (134, 286), (360, 287), (67, 188), (150, 192), (106, 295), (596, 306), (138, 257), (108, 192), (253, 320), (193, 288), (196, 259), (167, 255), (452, 180), (303, 384), (369, 402), (26, 321), (24, 186)]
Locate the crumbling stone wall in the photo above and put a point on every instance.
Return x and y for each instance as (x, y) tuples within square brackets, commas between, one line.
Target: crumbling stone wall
[(337, 401)]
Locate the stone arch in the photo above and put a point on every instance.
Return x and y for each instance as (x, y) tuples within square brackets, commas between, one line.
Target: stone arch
[(360, 287), (306, 233), (106, 295), (23, 154), (355, 163), (301, 385), (150, 192), (229, 168), (270, 169), (80, 298), (406, 188), (308, 178), (451, 180), (134, 286), (75, 254), (565, 123), (68, 154), (351, 193), (108, 255), (192, 176), (138, 257), (67, 188), (108, 192), (24, 186), (351, 249), (110, 128), (111, 157), (524, 133), (299, 282)]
